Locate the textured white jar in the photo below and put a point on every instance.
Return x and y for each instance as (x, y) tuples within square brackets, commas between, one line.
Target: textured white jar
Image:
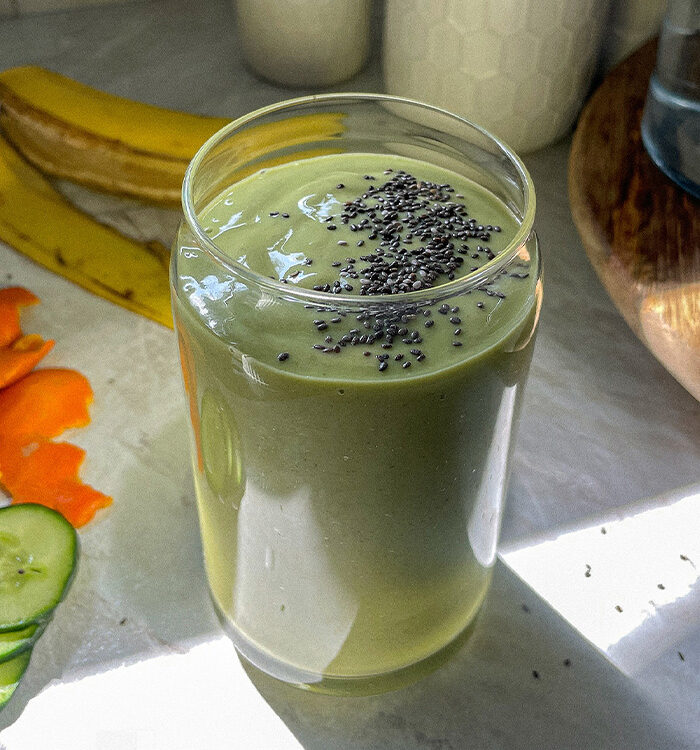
[(519, 68), (304, 42)]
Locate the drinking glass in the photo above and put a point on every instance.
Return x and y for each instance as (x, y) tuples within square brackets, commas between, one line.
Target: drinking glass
[(349, 524)]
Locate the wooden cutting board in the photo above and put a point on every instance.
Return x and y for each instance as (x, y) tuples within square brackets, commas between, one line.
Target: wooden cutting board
[(640, 230)]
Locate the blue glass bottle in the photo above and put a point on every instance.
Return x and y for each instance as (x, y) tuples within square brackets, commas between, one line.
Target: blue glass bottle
[(671, 120)]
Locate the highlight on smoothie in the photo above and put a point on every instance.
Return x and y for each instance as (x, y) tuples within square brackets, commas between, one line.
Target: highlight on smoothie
[(356, 315)]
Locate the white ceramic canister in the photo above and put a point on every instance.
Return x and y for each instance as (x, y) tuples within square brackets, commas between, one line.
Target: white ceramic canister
[(307, 43), (519, 68)]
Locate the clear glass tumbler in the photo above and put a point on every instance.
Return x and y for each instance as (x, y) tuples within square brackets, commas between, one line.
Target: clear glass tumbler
[(349, 524)]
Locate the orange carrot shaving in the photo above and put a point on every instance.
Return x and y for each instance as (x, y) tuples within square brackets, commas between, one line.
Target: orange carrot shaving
[(44, 403), (20, 464), (21, 357), (44, 472), (34, 407), (11, 299)]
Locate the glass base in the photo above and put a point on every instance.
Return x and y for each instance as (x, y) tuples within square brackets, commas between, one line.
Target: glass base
[(358, 685)]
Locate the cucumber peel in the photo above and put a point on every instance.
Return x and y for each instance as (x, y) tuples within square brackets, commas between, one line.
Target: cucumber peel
[(11, 672), (15, 642), (38, 558)]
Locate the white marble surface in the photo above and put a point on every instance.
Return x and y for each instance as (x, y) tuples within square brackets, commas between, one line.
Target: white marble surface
[(607, 438)]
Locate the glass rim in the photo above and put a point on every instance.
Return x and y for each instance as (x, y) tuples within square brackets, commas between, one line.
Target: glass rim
[(449, 289)]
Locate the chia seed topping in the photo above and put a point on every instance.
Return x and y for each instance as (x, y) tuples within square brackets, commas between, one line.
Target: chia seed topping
[(393, 215), (414, 236)]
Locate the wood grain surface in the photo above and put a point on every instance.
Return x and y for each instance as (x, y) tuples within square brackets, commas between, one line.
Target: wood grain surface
[(640, 230)]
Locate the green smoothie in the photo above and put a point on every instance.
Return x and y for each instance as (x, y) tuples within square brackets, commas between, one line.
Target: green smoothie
[(351, 457)]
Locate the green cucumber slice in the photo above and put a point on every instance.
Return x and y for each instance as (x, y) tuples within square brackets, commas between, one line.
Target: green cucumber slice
[(11, 672), (16, 641), (38, 556)]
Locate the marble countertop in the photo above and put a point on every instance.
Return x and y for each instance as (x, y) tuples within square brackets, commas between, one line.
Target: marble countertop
[(606, 475)]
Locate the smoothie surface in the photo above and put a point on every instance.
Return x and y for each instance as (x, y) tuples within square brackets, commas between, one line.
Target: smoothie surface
[(360, 225)]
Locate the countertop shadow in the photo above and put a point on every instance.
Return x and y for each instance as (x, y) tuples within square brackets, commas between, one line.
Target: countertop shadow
[(525, 679)]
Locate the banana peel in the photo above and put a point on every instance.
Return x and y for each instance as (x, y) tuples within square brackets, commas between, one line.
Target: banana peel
[(70, 130), (39, 222), (73, 131)]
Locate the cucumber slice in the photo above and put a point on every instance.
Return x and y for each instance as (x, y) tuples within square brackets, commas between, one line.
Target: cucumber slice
[(16, 641), (38, 556), (11, 672)]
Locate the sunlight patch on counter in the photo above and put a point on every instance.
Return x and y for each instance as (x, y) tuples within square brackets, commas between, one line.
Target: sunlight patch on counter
[(119, 707), (630, 584)]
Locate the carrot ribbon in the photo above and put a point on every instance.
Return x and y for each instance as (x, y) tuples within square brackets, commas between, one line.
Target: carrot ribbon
[(35, 406)]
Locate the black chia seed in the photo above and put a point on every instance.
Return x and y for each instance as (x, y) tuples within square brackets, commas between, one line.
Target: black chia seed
[(418, 226)]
